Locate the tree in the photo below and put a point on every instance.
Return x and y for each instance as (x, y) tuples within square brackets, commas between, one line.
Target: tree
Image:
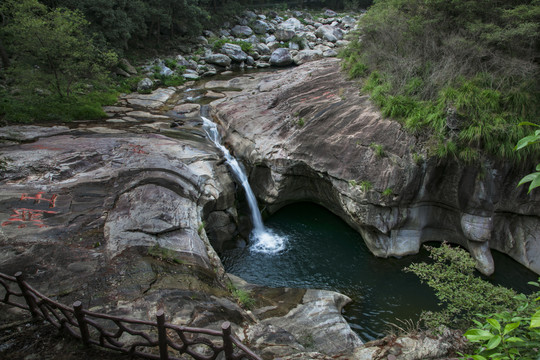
[(52, 49)]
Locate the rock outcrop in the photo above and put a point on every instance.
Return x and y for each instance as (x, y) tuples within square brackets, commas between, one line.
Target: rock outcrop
[(120, 216), (307, 135)]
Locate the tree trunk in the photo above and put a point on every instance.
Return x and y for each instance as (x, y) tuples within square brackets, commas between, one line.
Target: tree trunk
[(4, 56)]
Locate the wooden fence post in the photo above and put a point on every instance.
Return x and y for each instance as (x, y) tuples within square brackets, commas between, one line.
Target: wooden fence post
[(83, 326), (227, 343), (162, 335), (24, 290)]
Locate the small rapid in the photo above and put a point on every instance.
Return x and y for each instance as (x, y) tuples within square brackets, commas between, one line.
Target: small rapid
[(262, 240)]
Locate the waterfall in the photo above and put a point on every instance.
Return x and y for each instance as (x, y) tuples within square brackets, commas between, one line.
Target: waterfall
[(261, 238)]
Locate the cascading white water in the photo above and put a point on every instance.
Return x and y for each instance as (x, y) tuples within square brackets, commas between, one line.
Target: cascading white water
[(261, 238)]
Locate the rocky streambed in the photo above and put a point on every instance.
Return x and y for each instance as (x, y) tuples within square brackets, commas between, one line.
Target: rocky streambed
[(135, 208)]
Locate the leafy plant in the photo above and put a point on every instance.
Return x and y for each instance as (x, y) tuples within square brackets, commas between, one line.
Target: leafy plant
[(301, 122), (511, 334), (533, 178), (461, 293), (352, 183)]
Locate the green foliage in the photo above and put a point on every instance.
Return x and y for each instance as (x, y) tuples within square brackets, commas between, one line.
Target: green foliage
[(366, 185), (164, 254), (57, 70), (387, 192), (378, 149), (423, 60), (352, 183), (217, 44), (243, 297), (533, 178), (512, 334), (26, 108), (417, 158), (301, 122), (53, 49), (462, 294)]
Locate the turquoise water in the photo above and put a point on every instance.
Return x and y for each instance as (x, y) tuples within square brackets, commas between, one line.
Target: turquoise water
[(323, 252)]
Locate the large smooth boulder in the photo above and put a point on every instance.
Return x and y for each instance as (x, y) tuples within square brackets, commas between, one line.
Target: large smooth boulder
[(281, 57), (234, 52), (304, 56), (284, 34), (241, 31), (218, 59), (329, 33)]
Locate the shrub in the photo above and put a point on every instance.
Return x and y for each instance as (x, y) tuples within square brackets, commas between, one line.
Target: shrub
[(411, 54), (513, 334), (462, 294)]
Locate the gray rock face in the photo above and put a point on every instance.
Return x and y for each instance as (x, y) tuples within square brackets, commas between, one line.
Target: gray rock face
[(433, 200), (241, 31), (281, 57), (218, 59), (234, 52), (319, 311), (329, 33)]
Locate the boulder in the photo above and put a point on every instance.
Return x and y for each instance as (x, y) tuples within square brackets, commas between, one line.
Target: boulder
[(145, 85), (329, 33), (218, 59), (234, 52), (241, 31), (263, 49), (165, 71), (330, 13), (262, 27), (281, 57), (126, 66), (304, 56), (291, 24), (284, 34)]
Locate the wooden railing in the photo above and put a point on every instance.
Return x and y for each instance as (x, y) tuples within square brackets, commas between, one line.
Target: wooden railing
[(145, 339)]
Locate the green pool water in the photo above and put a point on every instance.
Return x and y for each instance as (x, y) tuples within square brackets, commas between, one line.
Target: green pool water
[(323, 252)]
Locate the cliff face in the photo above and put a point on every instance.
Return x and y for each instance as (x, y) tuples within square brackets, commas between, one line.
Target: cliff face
[(307, 134)]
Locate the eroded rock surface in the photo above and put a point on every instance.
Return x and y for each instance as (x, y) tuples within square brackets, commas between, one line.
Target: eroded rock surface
[(308, 135)]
